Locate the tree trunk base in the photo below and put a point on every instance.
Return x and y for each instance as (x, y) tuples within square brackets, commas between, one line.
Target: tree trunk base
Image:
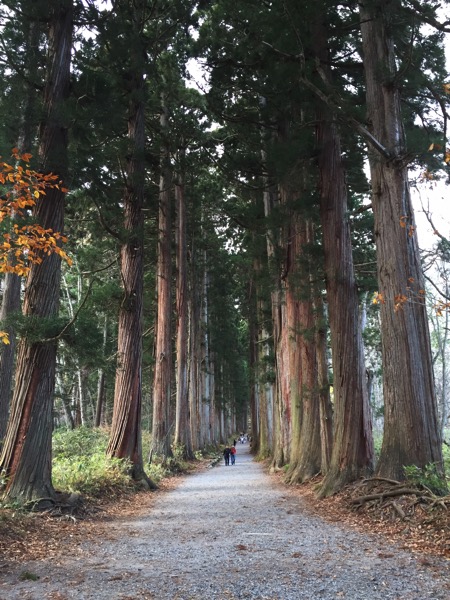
[(141, 479), (299, 473), (335, 480)]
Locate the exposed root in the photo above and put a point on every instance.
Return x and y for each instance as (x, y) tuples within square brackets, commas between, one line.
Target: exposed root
[(408, 498)]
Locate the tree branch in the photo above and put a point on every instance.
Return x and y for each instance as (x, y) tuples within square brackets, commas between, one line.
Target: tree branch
[(335, 107)]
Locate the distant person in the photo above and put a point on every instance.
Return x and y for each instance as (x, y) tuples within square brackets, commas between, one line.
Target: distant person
[(233, 454), (226, 456), (234, 443)]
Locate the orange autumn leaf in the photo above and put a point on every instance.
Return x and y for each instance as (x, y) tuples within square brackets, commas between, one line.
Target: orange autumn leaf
[(378, 298), (30, 243)]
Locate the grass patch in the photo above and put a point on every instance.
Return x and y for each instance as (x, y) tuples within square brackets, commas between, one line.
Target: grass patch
[(80, 463), (27, 576)]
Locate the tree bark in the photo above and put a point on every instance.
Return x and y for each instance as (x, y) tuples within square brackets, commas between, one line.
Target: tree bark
[(10, 304), (12, 282), (182, 416), (305, 461), (161, 431), (26, 455), (194, 350), (353, 451), (101, 384), (411, 431), (323, 380), (125, 436)]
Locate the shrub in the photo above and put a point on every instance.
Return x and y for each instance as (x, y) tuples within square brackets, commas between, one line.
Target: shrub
[(80, 463), (428, 477)]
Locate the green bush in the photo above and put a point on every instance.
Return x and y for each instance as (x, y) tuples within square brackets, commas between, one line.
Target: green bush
[(158, 468), (80, 463), (446, 454), (427, 477)]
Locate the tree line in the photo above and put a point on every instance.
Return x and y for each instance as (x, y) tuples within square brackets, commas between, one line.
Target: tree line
[(219, 236)]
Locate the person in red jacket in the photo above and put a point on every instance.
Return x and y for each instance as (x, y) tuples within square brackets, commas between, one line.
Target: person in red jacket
[(233, 454)]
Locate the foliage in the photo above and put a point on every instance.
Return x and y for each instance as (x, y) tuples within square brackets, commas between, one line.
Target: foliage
[(159, 467), (35, 328), (80, 463), (25, 243), (27, 576), (22, 187), (377, 441), (428, 477), (446, 455)]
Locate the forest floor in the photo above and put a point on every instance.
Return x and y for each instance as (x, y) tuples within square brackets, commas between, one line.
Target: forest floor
[(226, 533)]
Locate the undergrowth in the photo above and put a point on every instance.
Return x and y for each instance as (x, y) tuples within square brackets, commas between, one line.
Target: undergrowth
[(80, 463)]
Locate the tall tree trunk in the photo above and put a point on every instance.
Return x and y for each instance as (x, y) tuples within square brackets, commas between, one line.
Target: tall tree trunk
[(65, 395), (411, 430), (26, 455), (101, 387), (182, 416), (263, 444), (281, 333), (10, 305), (254, 367), (205, 372), (443, 344), (125, 436), (282, 412), (12, 282), (353, 451), (323, 380), (306, 460), (161, 431), (78, 372), (194, 352), (267, 393)]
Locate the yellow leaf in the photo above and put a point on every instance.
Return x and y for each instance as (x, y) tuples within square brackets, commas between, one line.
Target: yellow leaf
[(378, 298), (36, 194), (4, 337)]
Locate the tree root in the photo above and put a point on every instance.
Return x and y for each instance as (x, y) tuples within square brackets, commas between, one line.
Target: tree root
[(400, 492), (384, 492), (60, 505)]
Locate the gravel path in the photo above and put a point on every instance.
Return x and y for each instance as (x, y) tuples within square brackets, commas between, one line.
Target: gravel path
[(229, 533)]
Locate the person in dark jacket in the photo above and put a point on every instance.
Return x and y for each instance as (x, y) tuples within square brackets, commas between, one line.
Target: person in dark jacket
[(226, 455)]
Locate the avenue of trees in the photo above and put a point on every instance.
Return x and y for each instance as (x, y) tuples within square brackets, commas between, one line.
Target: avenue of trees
[(243, 252)]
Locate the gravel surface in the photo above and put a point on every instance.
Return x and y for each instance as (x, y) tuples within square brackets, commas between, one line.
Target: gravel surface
[(228, 533)]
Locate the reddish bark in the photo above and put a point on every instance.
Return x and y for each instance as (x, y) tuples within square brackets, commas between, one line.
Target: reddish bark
[(125, 437), (305, 460), (161, 430), (26, 456)]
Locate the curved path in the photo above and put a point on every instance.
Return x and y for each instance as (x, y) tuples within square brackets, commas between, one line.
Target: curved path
[(228, 533)]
